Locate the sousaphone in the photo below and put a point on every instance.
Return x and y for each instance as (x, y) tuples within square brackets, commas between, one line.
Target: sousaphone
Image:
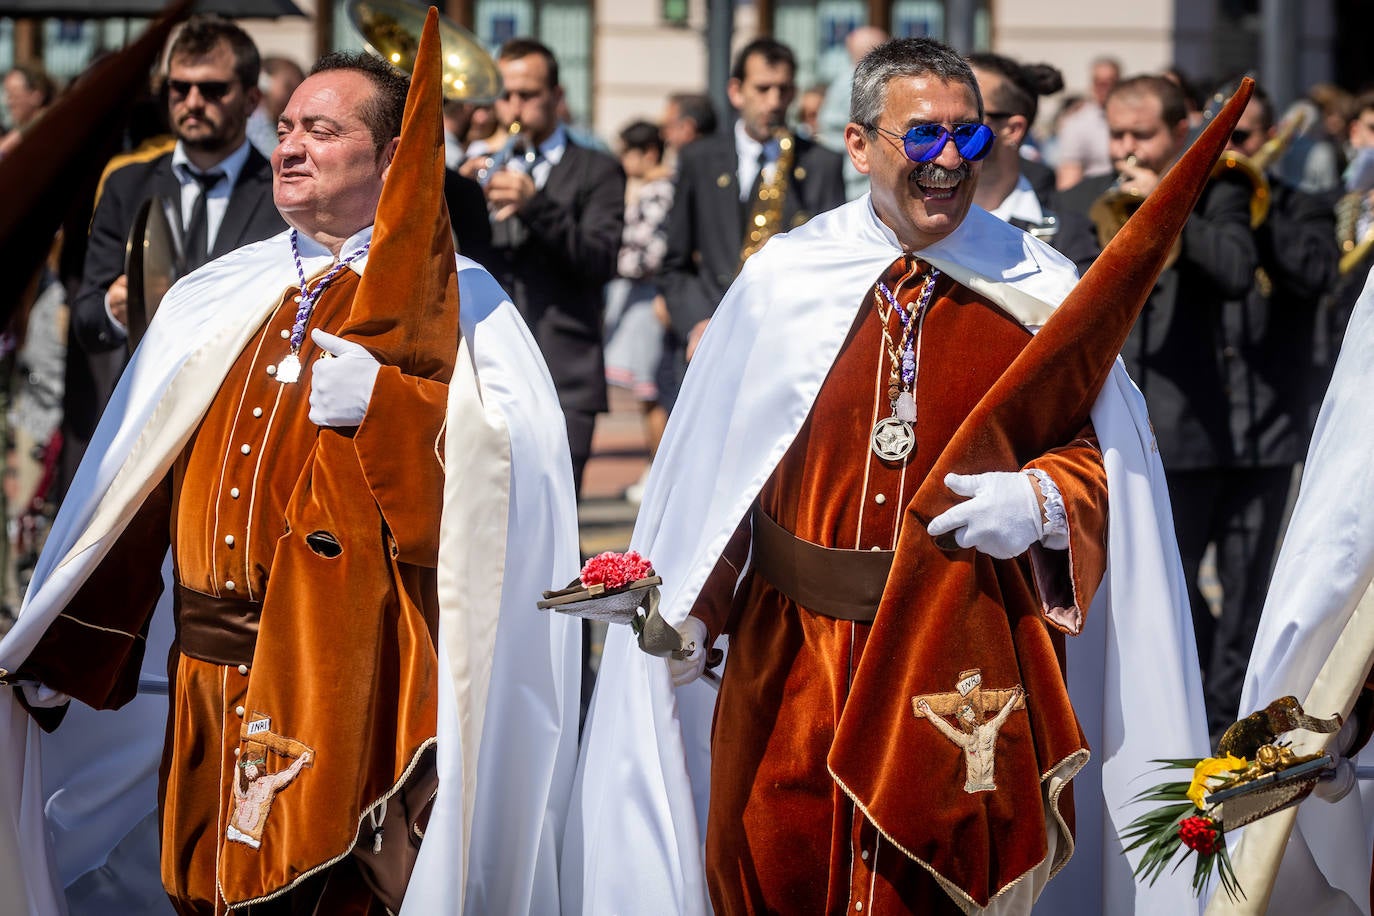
[(391, 31)]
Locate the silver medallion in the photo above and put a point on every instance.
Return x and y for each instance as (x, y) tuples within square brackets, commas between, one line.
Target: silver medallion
[(289, 369), (892, 439)]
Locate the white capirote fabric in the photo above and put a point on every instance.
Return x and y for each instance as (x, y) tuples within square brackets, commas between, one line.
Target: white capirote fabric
[(634, 841), (1316, 641), (88, 791)]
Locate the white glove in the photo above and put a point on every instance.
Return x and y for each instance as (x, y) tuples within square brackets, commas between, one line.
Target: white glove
[(694, 636), (1339, 785), (1001, 519), (340, 389), (40, 696)]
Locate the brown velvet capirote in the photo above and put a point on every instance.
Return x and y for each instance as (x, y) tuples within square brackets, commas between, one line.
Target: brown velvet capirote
[(826, 789)]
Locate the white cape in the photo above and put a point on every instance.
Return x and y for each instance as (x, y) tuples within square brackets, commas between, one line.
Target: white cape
[(1315, 641), (635, 839), (78, 807)]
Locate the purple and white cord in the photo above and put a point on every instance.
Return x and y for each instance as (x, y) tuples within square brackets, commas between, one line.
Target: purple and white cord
[(310, 297), (908, 369)]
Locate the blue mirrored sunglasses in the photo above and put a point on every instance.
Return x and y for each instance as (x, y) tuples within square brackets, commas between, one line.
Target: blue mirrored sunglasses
[(925, 142)]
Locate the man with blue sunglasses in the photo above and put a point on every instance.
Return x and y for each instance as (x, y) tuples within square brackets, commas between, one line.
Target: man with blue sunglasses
[(780, 513)]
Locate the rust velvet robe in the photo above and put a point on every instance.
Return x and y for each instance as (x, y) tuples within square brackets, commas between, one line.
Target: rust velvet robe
[(344, 662), (807, 698)]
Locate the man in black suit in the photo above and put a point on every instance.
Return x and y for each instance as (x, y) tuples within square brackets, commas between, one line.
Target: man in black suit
[(1269, 371), (557, 213), (1006, 187), (1176, 351), (216, 189), (212, 87), (719, 179)]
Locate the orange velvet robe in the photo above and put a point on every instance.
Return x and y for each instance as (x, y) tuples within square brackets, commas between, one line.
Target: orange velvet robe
[(782, 836), (328, 658)]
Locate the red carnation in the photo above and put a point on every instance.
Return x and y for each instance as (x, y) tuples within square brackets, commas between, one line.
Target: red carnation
[(1199, 833), (615, 570)]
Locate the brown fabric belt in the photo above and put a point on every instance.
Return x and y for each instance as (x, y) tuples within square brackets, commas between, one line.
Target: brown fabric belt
[(844, 584), (217, 630)]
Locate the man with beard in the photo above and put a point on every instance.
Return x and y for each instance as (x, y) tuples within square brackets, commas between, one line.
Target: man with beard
[(215, 188), (1177, 354), (720, 180)]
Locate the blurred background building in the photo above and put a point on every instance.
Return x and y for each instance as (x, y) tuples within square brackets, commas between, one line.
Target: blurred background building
[(621, 58)]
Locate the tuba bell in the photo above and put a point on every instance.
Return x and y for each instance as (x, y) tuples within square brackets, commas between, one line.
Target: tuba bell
[(391, 31)]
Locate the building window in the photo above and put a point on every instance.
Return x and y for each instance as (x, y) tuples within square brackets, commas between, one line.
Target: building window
[(564, 25)]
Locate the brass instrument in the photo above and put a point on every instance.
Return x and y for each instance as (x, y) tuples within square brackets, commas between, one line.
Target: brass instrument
[(515, 149), (1354, 248), (150, 265), (1116, 205), (765, 218), (391, 31)]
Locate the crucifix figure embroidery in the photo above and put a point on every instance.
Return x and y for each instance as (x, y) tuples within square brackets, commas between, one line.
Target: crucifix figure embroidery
[(254, 787), (976, 735)]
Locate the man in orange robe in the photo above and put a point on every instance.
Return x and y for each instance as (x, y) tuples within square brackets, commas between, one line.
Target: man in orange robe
[(782, 515), (302, 509)]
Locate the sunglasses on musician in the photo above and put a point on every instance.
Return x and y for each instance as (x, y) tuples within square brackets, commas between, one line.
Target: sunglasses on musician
[(925, 142), (210, 90)]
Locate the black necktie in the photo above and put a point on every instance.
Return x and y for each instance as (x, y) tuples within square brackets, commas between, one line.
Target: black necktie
[(197, 247)]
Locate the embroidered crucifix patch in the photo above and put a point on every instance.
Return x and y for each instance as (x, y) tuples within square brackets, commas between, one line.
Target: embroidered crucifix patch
[(254, 787), (970, 705)]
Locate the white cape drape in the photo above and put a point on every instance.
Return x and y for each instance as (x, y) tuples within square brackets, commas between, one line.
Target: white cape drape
[(1310, 636), (635, 840), (77, 808)]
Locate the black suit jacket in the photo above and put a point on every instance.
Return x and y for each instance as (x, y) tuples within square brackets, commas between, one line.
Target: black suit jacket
[(1175, 350), (553, 257), (1269, 335), (706, 223), (249, 217)]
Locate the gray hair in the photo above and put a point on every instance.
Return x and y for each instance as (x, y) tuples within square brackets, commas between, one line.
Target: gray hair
[(902, 57)]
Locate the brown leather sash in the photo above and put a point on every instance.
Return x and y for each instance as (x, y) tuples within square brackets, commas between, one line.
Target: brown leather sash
[(217, 630), (844, 584)]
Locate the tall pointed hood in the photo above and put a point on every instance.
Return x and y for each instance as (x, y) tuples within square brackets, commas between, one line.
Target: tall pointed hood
[(1045, 395), (40, 178), (406, 308)]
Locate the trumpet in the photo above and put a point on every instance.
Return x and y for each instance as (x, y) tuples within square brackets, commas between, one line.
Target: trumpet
[(516, 149), (1116, 205)]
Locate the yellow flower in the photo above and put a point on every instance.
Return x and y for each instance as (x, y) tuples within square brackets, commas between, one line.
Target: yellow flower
[(1210, 768)]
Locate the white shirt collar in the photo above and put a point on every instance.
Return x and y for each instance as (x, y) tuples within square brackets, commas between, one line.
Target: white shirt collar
[(1021, 203), (231, 165), (554, 145), (316, 257)]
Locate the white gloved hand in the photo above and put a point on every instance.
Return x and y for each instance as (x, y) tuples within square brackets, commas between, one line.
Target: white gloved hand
[(694, 636), (1002, 517), (341, 388), (1339, 785), (41, 696)]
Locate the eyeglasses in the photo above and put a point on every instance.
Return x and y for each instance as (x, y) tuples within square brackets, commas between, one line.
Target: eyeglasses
[(1240, 136), (925, 142), (1000, 115), (210, 90)]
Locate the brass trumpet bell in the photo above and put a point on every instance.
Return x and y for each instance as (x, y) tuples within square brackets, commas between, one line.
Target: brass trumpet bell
[(391, 31)]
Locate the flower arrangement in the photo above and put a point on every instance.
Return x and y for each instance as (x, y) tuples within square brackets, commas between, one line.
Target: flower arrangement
[(613, 570), (1182, 820), (611, 586)]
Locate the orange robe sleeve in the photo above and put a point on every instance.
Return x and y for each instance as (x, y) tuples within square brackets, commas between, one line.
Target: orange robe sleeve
[(399, 446), (93, 650), (716, 601), (1067, 580)]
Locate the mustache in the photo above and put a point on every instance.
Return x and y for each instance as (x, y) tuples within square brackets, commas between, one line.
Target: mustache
[(929, 171)]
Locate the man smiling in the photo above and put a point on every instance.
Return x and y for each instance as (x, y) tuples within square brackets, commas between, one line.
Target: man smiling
[(301, 412), (892, 731)]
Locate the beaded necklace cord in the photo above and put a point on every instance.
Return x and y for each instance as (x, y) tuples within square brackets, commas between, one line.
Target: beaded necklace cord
[(906, 356), (289, 369)]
